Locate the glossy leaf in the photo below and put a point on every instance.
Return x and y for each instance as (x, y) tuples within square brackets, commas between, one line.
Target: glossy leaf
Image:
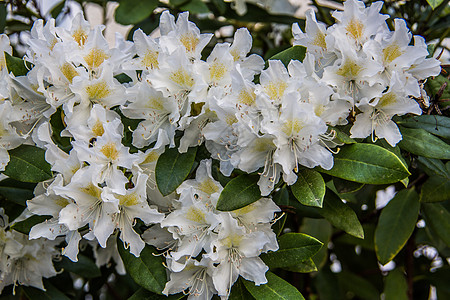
[(433, 166), (294, 248), (142, 294), (172, 168), (367, 163), (345, 187), (395, 286), (305, 266), (239, 292), (16, 191), (17, 66), (435, 3), (322, 230), (147, 270), (294, 52), (239, 192), (396, 224), (84, 267), (342, 137), (420, 142), (25, 225), (435, 189), (435, 124), (27, 163), (309, 188), (275, 289), (341, 215), (134, 11), (438, 218)]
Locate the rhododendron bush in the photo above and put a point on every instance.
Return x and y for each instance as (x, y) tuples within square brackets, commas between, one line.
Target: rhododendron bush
[(179, 165)]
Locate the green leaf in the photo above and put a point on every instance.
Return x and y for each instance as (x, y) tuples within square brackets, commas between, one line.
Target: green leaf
[(281, 198), (17, 66), (309, 188), (239, 292), (367, 163), (435, 189), (438, 219), (143, 294), (420, 142), (147, 270), (305, 266), (395, 286), (239, 192), (341, 215), (346, 187), (396, 224), (366, 243), (436, 84), (294, 52), (172, 168), (433, 166), (123, 78), (294, 248), (437, 125), (342, 137), (27, 163), (322, 230), (359, 286), (25, 225), (134, 11), (16, 191), (50, 293), (435, 3), (57, 123), (3, 14), (57, 9), (276, 288), (84, 267), (196, 7)]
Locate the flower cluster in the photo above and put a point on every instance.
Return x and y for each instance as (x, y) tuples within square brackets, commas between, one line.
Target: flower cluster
[(356, 70)]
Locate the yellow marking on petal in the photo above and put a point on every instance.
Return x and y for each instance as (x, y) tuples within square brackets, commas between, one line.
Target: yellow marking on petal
[(182, 78), (128, 200), (196, 215), (150, 59), (235, 54), (189, 41), (391, 52), (263, 145), (355, 28), (68, 71), (275, 90), (387, 99), (98, 90), (292, 126), (95, 57), (2, 61), (245, 210), (247, 98), (151, 157), (155, 103), (79, 36), (98, 129), (208, 186), (53, 43), (110, 151), (62, 202), (217, 71), (319, 109), (349, 69), (232, 240), (231, 119), (319, 40), (93, 191)]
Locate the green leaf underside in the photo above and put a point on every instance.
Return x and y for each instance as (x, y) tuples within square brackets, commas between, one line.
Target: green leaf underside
[(435, 189), (341, 215), (134, 11), (294, 52), (239, 192), (294, 249), (276, 288), (147, 270), (27, 163), (435, 124), (172, 168), (435, 3), (395, 286), (367, 163), (420, 142), (438, 218), (309, 188), (396, 224)]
